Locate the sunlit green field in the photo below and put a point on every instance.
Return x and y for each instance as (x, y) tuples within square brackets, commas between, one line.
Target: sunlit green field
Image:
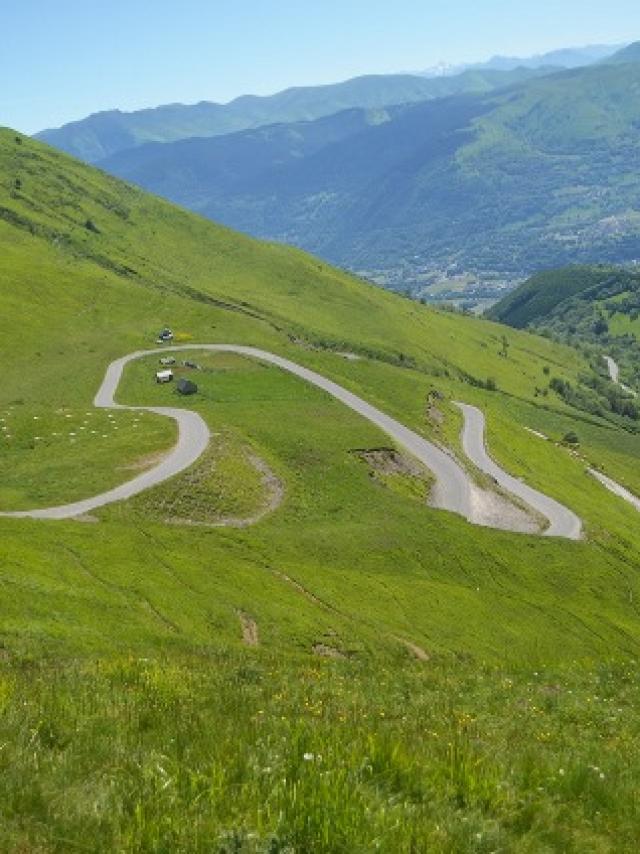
[(246, 753), (58, 456), (399, 643)]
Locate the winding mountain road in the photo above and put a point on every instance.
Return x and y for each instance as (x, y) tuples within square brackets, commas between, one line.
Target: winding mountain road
[(616, 488), (562, 521), (453, 486), (614, 373), (608, 482)]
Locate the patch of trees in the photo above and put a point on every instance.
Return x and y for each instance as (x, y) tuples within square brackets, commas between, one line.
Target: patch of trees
[(488, 384), (597, 396), (600, 327), (571, 439)]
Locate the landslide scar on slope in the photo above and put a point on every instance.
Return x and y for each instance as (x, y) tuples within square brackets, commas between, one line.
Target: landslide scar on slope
[(398, 472)]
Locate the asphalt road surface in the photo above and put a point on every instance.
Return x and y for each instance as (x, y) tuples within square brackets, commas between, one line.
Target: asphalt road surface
[(453, 486), (614, 373), (562, 521)]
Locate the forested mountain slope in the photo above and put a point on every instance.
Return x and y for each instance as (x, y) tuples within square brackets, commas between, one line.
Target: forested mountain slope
[(103, 134), (537, 175), (598, 306)]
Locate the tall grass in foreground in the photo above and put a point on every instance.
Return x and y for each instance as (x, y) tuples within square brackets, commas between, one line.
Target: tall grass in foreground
[(243, 753)]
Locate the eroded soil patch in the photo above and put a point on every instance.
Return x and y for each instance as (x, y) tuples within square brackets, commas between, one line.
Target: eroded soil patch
[(249, 629), (397, 471)]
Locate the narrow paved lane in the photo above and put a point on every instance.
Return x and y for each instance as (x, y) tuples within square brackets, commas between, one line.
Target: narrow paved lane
[(614, 373), (562, 521), (453, 486), (614, 370), (616, 488)]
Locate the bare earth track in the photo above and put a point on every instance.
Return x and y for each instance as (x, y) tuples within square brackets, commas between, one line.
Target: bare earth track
[(453, 489)]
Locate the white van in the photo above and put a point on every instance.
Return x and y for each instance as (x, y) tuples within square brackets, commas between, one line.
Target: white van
[(164, 376)]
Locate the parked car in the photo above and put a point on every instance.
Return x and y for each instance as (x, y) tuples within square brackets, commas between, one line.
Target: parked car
[(164, 376)]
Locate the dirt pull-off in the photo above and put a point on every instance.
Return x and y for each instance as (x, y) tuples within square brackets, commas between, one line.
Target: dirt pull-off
[(494, 510), (249, 629)]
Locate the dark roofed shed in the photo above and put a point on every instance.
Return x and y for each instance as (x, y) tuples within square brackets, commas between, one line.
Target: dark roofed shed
[(186, 386)]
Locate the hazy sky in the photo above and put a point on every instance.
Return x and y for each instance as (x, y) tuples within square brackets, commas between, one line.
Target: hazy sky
[(63, 59)]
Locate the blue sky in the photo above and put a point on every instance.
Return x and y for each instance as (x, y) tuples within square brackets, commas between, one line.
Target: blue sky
[(63, 59)]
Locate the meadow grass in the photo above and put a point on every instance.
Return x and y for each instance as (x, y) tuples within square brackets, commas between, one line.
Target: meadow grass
[(70, 453), (239, 752), (101, 749)]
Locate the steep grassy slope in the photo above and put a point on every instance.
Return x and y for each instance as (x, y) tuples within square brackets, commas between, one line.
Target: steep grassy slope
[(326, 758), (536, 175), (347, 566), (104, 134), (75, 297)]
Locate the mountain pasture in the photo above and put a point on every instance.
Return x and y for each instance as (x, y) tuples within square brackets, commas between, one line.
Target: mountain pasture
[(414, 682)]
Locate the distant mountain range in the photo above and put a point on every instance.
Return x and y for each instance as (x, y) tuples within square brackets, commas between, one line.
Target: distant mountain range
[(537, 174), (103, 134), (571, 57), (508, 171)]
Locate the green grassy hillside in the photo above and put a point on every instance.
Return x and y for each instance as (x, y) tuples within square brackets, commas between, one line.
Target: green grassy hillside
[(394, 642)]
